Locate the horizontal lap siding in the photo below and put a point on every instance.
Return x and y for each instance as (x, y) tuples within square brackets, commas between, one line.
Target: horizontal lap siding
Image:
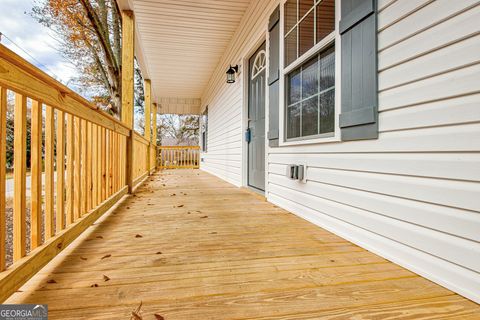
[(411, 196), (225, 101)]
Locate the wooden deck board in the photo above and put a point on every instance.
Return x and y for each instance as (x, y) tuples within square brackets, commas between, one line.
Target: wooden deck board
[(190, 246)]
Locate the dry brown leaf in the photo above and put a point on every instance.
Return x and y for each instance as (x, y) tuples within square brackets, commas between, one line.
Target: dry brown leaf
[(204, 217), (136, 314), (158, 317), (106, 278), (138, 236), (159, 252), (94, 285), (181, 206), (83, 258), (99, 237), (106, 256), (51, 281)]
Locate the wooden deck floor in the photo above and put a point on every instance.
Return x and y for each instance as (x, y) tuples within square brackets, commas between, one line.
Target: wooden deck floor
[(190, 246)]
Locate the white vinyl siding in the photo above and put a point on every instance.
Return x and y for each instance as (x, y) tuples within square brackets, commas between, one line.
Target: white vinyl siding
[(413, 195)]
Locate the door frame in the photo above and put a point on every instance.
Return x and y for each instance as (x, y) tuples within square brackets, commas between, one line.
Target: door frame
[(261, 38)]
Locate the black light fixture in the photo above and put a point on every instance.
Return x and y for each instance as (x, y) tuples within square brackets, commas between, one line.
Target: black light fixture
[(231, 73)]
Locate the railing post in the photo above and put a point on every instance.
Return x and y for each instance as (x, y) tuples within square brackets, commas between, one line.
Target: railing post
[(128, 55)]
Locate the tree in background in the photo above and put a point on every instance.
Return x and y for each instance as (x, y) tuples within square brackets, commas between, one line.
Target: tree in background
[(89, 32), (139, 100), (179, 129)]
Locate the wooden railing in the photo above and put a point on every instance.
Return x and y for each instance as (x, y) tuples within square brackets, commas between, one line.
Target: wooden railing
[(78, 168), (178, 157)]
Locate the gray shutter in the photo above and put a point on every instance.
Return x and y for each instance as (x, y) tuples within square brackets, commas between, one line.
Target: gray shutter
[(274, 78), (358, 30)]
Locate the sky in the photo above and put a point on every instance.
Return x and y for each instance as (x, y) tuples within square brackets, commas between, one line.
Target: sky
[(17, 24)]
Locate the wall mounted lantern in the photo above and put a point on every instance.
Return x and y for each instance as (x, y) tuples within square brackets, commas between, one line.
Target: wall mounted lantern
[(231, 74)]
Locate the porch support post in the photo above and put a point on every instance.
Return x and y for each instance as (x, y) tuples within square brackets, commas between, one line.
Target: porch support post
[(148, 109), (148, 120), (154, 120), (128, 56), (154, 131)]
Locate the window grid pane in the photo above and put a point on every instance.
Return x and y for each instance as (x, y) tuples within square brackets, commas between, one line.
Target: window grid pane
[(311, 97), (306, 33), (325, 19)]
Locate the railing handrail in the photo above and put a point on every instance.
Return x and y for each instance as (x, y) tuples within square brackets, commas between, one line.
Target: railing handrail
[(92, 154), (179, 147), (16, 73)]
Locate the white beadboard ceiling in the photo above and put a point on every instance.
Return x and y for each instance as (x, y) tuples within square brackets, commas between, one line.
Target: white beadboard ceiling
[(181, 41)]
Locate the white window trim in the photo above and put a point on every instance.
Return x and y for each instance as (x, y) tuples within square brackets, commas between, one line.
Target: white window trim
[(324, 43)]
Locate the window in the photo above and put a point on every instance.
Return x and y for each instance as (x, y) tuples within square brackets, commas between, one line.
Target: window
[(310, 86), (204, 129), (259, 64)]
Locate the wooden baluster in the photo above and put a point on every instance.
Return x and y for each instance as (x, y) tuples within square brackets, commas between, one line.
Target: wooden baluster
[(103, 163), (99, 165), (107, 163), (83, 172), (20, 170), (60, 214), (89, 167), (49, 172), (94, 165), (77, 170), (70, 168), (3, 165), (115, 163), (36, 175)]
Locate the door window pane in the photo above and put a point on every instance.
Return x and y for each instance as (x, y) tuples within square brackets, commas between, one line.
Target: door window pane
[(291, 47), (293, 121), (306, 33), (325, 18), (310, 117), (290, 14)]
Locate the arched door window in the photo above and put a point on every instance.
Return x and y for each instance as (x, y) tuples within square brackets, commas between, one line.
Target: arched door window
[(259, 64)]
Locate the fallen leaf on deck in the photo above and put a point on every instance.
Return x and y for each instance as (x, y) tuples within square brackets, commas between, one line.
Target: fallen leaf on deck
[(158, 317), (136, 313), (128, 207), (138, 236), (105, 278), (181, 206), (106, 256), (94, 285), (99, 237), (83, 258), (203, 217), (159, 252), (51, 281)]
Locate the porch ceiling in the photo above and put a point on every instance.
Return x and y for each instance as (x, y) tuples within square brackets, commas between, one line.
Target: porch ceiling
[(183, 40)]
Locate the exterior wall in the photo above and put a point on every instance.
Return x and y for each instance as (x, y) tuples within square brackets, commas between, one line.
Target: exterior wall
[(226, 101), (412, 195)]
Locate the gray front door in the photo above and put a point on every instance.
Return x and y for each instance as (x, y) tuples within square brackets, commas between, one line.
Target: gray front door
[(256, 119)]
